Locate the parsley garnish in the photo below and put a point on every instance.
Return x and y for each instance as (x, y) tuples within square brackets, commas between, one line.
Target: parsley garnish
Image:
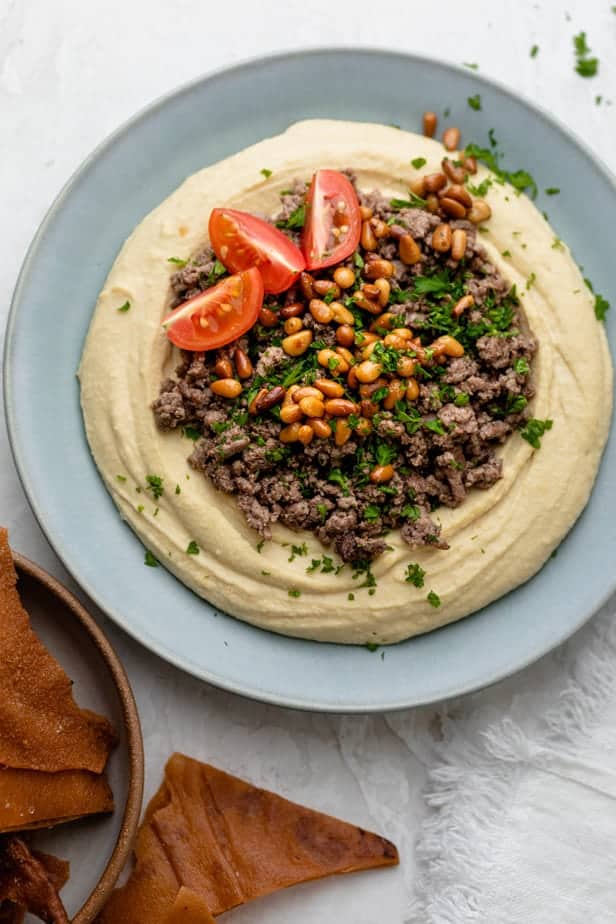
[(436, 426), (322, 511), (481, 189), (602, 306), (475, 102), (415, 575), (521, 366), (298, 550), (266, 173), (534, 51), (193, 433), (385, 453), (149, 560), (419, 162), (372, 512), (350, 596), (433, 599), (338, 478), (124, 308), (552, 191), (192, 548), (534, 430), (461, 400), (177, 262), (216, 272), (120, 477), (471, 66), (295, 593), (585, 65), (519, 179), (414, 202), (410, 512), (155, 485), (295, 221), (178, 489)]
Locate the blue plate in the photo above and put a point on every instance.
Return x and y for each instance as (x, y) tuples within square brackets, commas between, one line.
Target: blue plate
[(65, 269)]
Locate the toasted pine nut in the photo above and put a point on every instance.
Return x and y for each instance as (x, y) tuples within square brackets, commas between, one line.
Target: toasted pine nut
[(292, 325), (455, 174), (451, 138), (412, 390), (226, 388), (409, 250), (312, 407), (368, 239), (470, 164), (368, 371), (344, 277), (320, 311), (452, 207), (343, 432), (458, 243), (326, 286), (370, 290), (467, 301), (406, 367), (306, 391), (330, 360), (306, 283), (305, 434), (379, 269), (395, 394), (384, 288), (292, 310), (460, 194), (368, 350), (271, 398), (398, 343), (345, 335), (291, 413), (435, 182), (268, 318), (441, 240), (447, 346), (384, 322), (418, 186), (432, 203), (223, 367), (297, 344), (368, 408), (289, 434), (382, 473), (405, 332), (367, 304), (253, 407), (366, 212), (340, 407), (480, 211), (329, 389), (243, 364), (352, 378), (380, 228), (345, 354), (290, 392), (341, 314), (429, 124), (321, 428)]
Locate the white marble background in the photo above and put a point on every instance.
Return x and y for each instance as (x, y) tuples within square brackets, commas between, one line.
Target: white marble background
[(70, 72)]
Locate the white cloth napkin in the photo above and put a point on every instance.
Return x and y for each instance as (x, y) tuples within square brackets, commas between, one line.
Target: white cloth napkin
[(522, 820)]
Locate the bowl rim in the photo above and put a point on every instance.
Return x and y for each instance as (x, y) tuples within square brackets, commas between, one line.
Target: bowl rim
[(156, 103), (132, 810)]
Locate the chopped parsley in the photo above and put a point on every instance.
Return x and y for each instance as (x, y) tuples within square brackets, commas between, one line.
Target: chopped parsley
[(475, 102), (491, 157), (371, 646), (336, 477), (471, 66), (121, 478), (557, 244), (124, 308), (298, 550), (385, 453), (178, 489), (260, 545), (481, 189), (155, 485), (433, 599), (192, 433), (192, 548), (372, 512), (436, 426), (585, 66), (350, 596), (552, 191), (506, 253), (419, 162), (415, 575), (410, 512), (521, 366), (322, 511), (602, 306), (413, 202), (295, 221), (217, 271), (177, 262), (149, 560), (534, 51), (534, 430), (295, 593), (266, 173), (461, 399)]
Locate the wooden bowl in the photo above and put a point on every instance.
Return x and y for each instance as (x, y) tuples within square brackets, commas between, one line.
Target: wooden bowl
[(97, 847)]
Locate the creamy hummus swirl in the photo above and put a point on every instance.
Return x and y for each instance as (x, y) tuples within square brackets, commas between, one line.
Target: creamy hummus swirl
[(499, 538)]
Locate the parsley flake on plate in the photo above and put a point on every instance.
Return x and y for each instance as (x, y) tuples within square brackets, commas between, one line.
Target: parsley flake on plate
[(534, 51), (149, 560), (475, 102)]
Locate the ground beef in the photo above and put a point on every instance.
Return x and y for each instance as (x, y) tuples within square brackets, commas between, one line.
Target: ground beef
[(442, 445)]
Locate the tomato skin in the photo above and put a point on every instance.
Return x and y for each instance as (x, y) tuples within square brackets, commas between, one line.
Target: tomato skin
[(229, 309), (327, 190), (241, 240)]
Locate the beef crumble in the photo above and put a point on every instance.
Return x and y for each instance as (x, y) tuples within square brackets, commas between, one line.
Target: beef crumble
[(388, 464)]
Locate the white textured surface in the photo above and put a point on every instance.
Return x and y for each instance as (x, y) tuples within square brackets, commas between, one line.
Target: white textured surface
[(70, 72)]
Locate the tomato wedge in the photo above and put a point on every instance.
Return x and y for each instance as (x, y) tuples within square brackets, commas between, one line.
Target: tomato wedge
[(218, 315), (333, 221), (241, 240)]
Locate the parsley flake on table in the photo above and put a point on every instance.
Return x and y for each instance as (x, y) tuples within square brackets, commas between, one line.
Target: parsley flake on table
[(415, 575), (475, 102), (552, 191), (149, 560), (192, 548), (124, 308), (586, 66), (534, 51), (534, 430), (433, 599)]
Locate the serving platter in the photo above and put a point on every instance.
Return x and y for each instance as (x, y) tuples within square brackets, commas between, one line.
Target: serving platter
[(65, 268), (96, 847)]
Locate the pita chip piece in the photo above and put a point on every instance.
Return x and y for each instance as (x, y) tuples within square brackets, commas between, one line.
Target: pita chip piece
[(41, 726), (29, 799), (229, 842), (30, 882), (188, 908)]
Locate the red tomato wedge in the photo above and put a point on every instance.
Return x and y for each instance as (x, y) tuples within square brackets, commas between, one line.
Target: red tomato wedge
[(218, 315), (241, 240), (333, 222)]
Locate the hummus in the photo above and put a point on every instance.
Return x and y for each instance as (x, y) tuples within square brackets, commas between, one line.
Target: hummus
[(498, 538)]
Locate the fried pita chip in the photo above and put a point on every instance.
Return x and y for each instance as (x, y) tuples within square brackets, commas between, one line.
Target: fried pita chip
[(188, 908), (228, 842), (28, 882), (41, 726), (58, 872), (29, 799)]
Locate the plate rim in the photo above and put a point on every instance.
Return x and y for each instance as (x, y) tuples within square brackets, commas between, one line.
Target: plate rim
[(246, 64), (134, 740)]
